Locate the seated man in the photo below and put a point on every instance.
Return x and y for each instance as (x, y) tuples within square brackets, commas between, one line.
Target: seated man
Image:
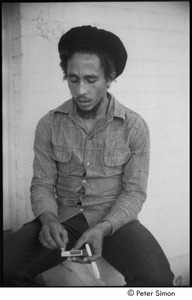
[(90, 174)]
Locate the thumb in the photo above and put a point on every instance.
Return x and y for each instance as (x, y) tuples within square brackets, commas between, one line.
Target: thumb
[(64, 237), (79, 243)]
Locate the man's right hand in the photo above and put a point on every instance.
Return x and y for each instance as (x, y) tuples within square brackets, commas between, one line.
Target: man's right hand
[(53, 234)]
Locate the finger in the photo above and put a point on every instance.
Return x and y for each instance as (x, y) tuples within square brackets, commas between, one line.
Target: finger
[(64, 236), (94, 257), (48, 238), (95, 251), (79, 260), (42, 241), (80, 243), (56, 237)]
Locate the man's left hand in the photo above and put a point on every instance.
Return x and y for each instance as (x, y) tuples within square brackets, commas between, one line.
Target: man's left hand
[(94, 237)]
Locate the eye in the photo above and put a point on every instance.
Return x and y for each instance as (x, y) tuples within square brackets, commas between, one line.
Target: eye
[(91, 79), (73, 79)]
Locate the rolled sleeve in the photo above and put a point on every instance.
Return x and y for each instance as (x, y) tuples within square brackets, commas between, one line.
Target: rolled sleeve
[(134, 181), (43, 198)]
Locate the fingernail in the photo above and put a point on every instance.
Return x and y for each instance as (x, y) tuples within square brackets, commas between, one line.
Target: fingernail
[(85, 259), (69, 258), (73, 259)]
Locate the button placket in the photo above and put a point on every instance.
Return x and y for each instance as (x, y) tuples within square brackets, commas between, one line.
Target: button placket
[(86, 157), (79, 203), (86, 164)]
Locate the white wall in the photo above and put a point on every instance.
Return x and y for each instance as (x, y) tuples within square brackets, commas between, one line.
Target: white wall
[(154, 84)]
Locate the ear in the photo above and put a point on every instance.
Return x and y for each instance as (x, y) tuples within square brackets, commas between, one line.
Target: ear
[(113, 74)]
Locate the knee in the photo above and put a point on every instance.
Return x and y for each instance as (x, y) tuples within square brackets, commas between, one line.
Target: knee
[(14, 273), (158, 278), (158, 273), (13, 278), (16, 280), (151, 278)]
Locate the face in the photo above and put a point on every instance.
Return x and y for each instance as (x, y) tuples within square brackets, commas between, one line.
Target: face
[(87, 82)]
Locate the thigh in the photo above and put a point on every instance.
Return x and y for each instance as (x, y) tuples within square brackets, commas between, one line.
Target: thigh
[(24, 256), (137, 255), (22, 244)]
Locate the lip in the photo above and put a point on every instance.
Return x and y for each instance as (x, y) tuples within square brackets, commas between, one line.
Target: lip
[(81, 100), (84, 102)]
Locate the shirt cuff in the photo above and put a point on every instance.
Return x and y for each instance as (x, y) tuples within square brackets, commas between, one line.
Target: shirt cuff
[(43, 207), (117, 220)]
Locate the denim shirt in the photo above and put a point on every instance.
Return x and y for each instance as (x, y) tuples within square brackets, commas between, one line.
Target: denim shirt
[(102, 173)]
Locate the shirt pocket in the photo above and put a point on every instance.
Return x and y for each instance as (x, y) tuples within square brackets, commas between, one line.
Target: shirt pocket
[(115, 159), (63, 158)]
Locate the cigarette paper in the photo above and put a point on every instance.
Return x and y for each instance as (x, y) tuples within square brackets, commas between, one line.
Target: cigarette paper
[(93, 264), (72, 253)]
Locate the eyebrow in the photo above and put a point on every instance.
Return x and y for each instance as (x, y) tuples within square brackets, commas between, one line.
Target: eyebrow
[(86, 76)]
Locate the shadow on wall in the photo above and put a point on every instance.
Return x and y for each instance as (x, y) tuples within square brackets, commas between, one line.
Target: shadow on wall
[(180, 268)]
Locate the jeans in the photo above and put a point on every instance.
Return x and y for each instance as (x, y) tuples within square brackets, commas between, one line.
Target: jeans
[(132, 250)]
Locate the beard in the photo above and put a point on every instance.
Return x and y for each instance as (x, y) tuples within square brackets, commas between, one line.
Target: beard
[(88, 114)]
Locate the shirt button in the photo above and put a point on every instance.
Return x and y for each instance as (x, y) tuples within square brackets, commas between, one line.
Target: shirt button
[(88, 163), (81, 209), (84, 181)]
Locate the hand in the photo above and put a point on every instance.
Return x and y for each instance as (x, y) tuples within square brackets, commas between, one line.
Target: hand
[(53, 234), (94, 237)]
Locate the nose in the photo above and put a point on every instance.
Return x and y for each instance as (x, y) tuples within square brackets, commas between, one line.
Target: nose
[(81, 89)]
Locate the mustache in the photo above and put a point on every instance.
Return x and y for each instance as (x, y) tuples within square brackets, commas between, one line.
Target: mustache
[(82, 98)]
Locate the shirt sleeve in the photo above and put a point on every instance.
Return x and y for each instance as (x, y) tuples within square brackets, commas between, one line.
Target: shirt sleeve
[(43, 197), (134, 181)]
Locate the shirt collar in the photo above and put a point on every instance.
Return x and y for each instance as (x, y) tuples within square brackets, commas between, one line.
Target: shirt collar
[(65, 108), (116, 109)]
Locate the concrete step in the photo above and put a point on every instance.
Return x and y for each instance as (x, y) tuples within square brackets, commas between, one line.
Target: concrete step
[(74, 274)]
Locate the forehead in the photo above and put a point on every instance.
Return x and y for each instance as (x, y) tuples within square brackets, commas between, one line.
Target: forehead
[(84, 62)]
